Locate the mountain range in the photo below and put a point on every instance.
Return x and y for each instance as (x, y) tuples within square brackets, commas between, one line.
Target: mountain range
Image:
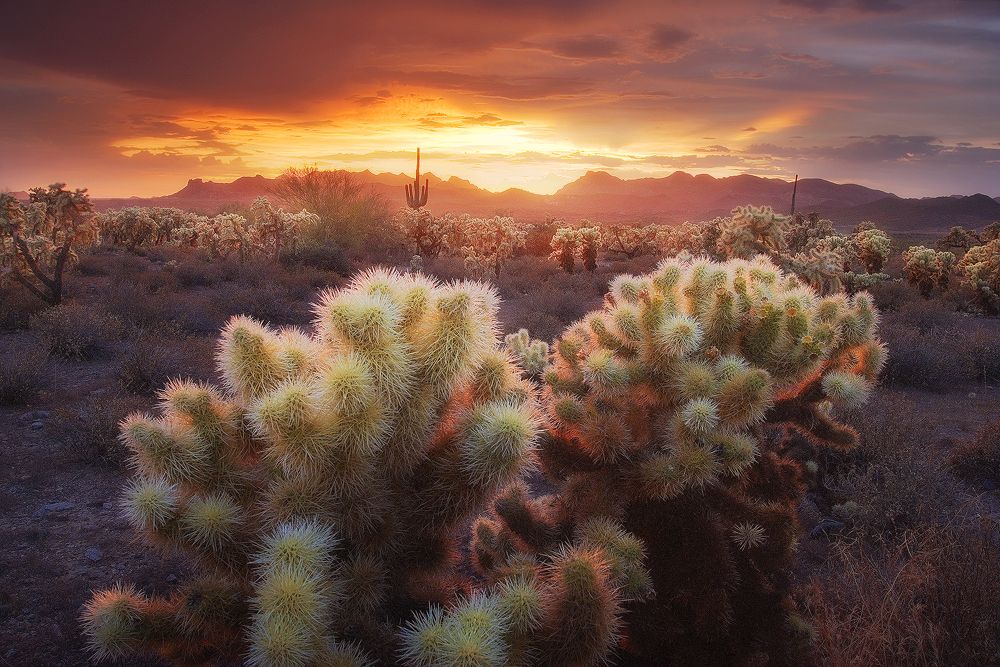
[(601, 196)]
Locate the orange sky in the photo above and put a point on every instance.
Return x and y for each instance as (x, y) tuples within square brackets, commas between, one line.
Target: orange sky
[(131, 99)]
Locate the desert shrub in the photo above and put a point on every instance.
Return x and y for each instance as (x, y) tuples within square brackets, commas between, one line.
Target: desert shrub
[(346, 208), (978, 459), (88, 431), (147, 363), (630, 241), (930, 598), (268, 302), (195, 272), (922, 359), (891, 295), (22, 373), (323, 256), (17, 307), (959, 239), (981, 340), (76, 330), (897, 481)]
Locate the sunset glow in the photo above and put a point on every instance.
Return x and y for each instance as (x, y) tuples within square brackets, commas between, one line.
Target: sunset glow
[(894, 95)]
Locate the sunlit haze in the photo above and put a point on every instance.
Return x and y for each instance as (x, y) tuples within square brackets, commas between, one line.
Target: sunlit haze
[(136, 98)]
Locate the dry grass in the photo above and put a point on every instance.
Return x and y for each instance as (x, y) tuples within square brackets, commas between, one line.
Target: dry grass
[(930, 598)]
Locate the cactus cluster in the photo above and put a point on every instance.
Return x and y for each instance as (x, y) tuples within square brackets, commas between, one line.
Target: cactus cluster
[(39, 239), (927, 268), (321, 487), (264, 231), (631, 241), (429, 235), (140, 227), (670, 412), (572, 244), (487, 243), (533, 355)]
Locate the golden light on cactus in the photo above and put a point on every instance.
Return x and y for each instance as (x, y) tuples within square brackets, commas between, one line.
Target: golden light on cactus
[(394, 420)]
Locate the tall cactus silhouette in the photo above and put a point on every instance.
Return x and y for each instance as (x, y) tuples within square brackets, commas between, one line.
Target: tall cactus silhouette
[(416, 196)]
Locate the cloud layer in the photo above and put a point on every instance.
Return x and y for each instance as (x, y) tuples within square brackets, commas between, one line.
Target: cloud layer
[(134, 98)]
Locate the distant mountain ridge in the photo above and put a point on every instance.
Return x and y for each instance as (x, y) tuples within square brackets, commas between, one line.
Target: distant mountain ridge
[(601, 196)]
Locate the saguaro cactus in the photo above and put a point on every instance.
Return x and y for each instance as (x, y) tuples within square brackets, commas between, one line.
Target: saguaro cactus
[(416, 196)]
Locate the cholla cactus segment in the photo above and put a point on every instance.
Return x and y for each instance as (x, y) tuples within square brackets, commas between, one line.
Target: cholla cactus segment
[(980, 269), (927, 268), (748, 535), (336, 461)]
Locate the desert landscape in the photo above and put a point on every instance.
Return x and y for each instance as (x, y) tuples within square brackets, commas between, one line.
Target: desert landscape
[(727, 405)]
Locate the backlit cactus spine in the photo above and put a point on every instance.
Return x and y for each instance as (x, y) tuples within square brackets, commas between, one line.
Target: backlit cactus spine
[(322, 486), (669, 410)]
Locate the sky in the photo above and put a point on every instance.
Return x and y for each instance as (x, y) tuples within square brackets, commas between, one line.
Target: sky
[(133, 98)]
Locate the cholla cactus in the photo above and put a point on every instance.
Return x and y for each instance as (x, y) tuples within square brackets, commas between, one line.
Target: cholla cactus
[(38, 241), (980, 269), (958, 238), (669, 410), (429, 235), (564, 248), (927, 268), (631, 241), (489, 242), (140, 227), (532, 354), (805, 231), (321, 487), (872, 248), (991, 232), (752, 230), (274, 230), (588, 243)]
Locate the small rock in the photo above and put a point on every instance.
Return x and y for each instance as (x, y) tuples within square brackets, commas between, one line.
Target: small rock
[(171, 578), (94, 554), (60, 506), (106, 506), (37, 426), (972, 394)]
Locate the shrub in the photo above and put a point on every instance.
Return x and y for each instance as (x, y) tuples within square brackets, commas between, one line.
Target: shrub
[(75, 330), (930, 598), (323, 256), (22, 374), (89, 432), (978, 460), (146, 364), (345, 206)]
